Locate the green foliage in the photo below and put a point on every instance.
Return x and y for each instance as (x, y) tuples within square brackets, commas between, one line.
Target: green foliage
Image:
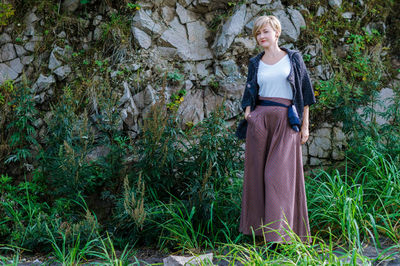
[(6, 90), (6, 12), (133, 6), (21, 126), (174, 77), (176, 99), (358, 205)]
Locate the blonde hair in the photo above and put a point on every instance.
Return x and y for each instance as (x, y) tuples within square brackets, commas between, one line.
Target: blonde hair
[(266, 20)]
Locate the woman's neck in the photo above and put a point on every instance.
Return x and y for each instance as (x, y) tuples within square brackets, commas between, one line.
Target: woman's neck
[(272, 51)]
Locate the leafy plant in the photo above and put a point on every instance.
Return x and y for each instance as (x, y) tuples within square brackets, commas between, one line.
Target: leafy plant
[(21, 127), (7, 11)]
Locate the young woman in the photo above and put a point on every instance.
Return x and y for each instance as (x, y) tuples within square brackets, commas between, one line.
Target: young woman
[(278, 86)]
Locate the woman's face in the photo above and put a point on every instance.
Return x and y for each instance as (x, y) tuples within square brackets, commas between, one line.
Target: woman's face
[(267, 36)]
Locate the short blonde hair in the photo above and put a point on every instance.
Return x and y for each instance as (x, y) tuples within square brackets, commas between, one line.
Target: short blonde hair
[(266, 20)]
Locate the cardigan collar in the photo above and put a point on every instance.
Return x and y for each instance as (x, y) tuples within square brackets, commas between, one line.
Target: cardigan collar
[(290, 53)]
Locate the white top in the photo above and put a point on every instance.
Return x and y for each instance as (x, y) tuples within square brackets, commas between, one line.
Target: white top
[(272, 79)]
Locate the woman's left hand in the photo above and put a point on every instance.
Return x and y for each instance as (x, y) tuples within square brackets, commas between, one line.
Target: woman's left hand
[(304, 134)]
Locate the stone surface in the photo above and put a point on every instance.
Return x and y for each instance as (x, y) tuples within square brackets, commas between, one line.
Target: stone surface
[(145, 98), (97, 33), (4, 38), (7, 73), (130, 112), (141, 38), (43, 83), (97, 152), (230, 30), (144, 22), (205, 259), (31, 18), (335, 3), (167, 14), (385, 99), (62, 72), (54, 62), (245, 45), (7, 52), (97, 20), (70, 5), (185, 15), (26, 60), (229, 67), (30, 46), (191, 109), (347, 15), (16, 65), (264, 2), (290, 33), (323, 72), (320, 145), (321, 10), (20, 50), (191, 44), (297, 19)]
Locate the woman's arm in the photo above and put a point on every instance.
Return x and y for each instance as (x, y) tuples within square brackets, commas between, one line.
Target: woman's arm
[(304, 127)]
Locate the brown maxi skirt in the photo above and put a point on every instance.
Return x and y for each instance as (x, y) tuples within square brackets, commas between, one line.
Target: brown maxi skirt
[(274, 196)]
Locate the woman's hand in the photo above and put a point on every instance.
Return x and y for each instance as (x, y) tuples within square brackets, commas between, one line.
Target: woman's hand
[(304, 134), (247, 112)]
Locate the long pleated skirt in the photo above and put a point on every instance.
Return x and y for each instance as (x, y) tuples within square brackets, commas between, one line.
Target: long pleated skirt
[(274, 202)]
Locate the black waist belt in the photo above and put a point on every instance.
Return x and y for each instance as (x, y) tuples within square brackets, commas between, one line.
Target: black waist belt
[(293, 117)]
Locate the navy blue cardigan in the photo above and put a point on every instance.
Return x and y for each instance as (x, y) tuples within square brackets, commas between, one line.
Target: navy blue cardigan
[(303, 93)]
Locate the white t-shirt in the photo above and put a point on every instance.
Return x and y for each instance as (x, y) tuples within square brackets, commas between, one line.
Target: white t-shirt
[(272, 79)]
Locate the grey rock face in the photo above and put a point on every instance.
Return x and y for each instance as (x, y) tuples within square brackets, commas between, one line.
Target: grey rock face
[(30, 46), (195, 47), (70, 5), (7, 52), (185, 15), (43, 83), (321, 10), (145, 98), (167, 14), (229, 67), (205, 259), (347, 15), (20, 50), (230, 30), (385, 97), (26, 60), (97, 33), (62, 72), (54, 62), (97, 152), (297, 19), (130, 113), (31, 18), (323, 72), (144, 22), (320, 144), (290, 33), (5, 38), (7, 73), (16, 65), (264, 2), (97, 20), (191, 109), (335, 3), (141, 38)]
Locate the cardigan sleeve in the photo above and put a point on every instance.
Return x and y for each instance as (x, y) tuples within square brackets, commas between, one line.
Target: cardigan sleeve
[(246, 100), (306, 85)]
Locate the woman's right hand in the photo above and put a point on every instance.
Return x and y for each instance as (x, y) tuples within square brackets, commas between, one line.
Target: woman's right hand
[(247, 113)]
